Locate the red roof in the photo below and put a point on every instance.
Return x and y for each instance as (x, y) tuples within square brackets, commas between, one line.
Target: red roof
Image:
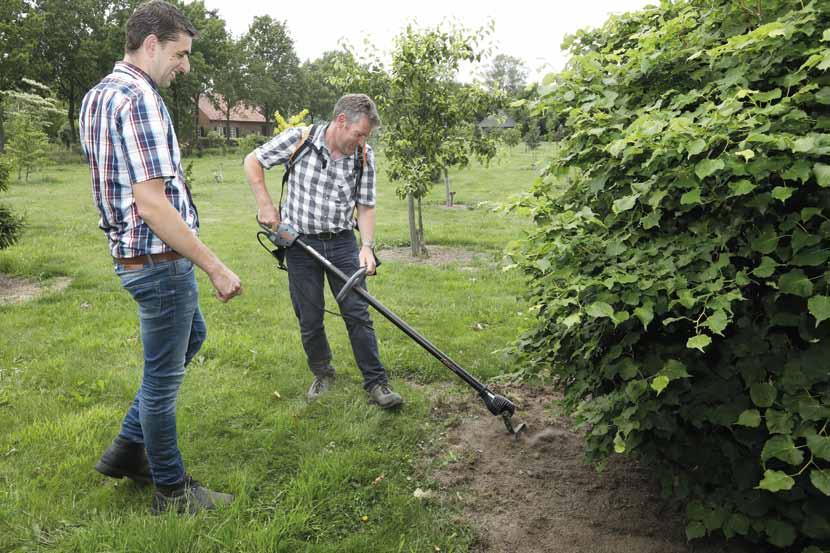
[(240, 112)]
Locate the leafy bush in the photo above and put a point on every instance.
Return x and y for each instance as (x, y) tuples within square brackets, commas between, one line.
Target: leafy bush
[(679, 266), (10, 224), (250, 142)]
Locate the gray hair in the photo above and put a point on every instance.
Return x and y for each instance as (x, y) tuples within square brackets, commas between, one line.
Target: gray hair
[(356, 106)]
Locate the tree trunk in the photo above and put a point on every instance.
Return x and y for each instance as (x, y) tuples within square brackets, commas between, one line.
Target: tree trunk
[(447, 187), (2, 128), (414, 242), (73, 134), (228, 126), (421, 242)]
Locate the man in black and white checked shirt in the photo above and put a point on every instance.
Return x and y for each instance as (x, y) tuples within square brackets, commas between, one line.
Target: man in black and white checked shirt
[(321, 197)]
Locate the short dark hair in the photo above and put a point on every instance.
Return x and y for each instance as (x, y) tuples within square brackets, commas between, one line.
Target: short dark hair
[(356, 106), (159, 18)]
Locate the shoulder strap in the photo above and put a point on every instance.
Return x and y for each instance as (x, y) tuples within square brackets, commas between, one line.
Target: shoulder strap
[(306, 142), (359, 163)]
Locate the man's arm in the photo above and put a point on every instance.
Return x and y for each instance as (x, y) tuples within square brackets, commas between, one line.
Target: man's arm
[(366, 224), (266, 212), (166, 222)]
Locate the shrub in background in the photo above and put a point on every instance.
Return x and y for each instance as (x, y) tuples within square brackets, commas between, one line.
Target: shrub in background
[(679, 265)]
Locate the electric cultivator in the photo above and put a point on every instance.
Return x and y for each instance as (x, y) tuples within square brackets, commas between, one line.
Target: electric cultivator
[(287, 237)]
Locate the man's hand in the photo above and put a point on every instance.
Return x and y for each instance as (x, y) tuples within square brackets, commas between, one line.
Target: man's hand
[(269, 216), (367, 259), (226, 283)]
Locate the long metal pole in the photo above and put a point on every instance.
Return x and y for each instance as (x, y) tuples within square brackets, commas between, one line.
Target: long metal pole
[(397, 321)]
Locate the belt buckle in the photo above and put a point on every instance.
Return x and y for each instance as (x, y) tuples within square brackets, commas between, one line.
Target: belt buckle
[(327, 235)]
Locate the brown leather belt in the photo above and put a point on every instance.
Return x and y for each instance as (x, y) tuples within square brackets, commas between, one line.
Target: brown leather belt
[(141, 261)]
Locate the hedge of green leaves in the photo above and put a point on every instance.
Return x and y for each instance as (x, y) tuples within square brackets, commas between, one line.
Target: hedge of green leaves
[(679, 264)]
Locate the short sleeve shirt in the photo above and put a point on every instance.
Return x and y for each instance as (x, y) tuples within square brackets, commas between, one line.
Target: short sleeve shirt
[(321, 193), (128, 137)]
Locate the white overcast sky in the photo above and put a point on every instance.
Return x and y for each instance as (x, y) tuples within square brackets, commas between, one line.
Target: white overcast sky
[(529, 30)]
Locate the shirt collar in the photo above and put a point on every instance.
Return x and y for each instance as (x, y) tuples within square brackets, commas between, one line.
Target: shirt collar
[(135, 72), (320, 142)]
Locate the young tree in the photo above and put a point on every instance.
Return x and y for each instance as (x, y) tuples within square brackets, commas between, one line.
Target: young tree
[(30, 113), (429, 119), (27, 143)]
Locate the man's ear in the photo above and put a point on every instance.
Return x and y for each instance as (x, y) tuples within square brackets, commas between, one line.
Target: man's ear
[(150, 44), (341, 119)]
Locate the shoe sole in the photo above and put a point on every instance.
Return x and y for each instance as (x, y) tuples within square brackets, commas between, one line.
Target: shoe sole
[(388, 405), (112, 472)]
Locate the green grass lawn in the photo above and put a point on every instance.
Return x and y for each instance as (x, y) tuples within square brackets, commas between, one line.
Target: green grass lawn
[(70, 363)]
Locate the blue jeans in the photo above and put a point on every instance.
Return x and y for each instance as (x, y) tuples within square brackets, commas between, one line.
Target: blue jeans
[(305, 282), (172, 331)]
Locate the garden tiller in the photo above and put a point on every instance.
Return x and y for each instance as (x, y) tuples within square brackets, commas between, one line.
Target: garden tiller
[(287, 237)]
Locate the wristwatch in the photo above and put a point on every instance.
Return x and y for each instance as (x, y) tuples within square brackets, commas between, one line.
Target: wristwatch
[(368, 244)]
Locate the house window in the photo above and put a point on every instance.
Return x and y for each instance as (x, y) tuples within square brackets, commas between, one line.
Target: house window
[(202, 132)]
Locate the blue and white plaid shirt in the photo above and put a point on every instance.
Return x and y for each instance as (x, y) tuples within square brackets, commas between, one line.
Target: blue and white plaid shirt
[(321, 194), (128, 137)]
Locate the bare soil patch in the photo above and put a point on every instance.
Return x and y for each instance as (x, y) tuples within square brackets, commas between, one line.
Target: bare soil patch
[(537, 494), (15, 290), (438, 255)]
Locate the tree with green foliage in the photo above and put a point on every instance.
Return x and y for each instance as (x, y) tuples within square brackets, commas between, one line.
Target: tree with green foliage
[(77, 43), (430, 121), (272, 67), (10, 224), (17, 44), (230, 83), (27, 143), (319, 91), (206, 59), (678, 271), (506, 75), (533, 137)]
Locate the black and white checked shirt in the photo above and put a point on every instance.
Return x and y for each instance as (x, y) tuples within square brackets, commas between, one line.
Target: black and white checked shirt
[(317, 199)]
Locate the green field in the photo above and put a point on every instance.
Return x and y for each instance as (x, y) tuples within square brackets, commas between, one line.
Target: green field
[(303, 474)]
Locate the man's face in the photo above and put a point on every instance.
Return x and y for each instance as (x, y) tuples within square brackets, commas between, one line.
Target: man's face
[(170, 58), (352, 135)]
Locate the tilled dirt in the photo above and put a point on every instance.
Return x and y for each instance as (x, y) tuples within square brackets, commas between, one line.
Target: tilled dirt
[(537, 494)]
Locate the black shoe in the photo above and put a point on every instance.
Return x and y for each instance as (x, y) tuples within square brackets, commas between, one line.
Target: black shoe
[(189, 497), (125, 459)]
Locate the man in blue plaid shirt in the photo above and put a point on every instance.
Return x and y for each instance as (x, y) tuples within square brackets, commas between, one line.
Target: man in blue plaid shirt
[(149, 217), (321, 197)]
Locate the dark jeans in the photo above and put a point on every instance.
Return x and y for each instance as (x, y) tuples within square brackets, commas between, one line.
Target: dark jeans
[(172, 331), (305, 281)]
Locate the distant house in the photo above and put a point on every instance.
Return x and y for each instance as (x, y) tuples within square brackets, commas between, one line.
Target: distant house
[(244, 120), (498, 121)]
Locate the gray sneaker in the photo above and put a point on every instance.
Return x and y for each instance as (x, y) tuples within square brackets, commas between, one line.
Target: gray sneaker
[(320, 386), (190, 498), (383, 395)]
